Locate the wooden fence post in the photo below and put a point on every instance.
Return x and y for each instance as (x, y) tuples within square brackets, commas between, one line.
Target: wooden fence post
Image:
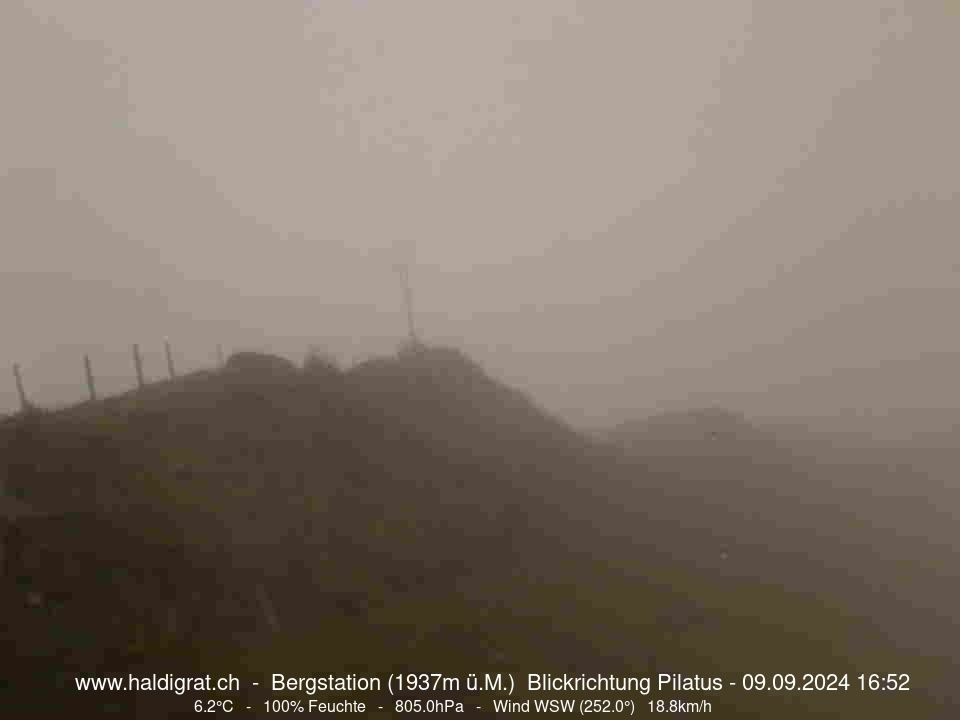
[(91, 385), (138, 365), (24, 403), (170, 368)]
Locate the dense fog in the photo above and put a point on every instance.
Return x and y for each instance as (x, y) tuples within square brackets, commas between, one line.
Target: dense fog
[(622, 208)]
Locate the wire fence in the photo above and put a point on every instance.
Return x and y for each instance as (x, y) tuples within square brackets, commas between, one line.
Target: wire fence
[(93, 390)]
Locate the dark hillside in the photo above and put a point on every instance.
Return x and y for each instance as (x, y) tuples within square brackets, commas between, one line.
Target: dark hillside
[(408, 513)]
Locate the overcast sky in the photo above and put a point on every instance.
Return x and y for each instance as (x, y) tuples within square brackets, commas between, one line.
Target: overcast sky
[(619, 207)]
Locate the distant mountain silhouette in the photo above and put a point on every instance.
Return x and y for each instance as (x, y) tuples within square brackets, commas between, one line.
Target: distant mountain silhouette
[(709, 431)]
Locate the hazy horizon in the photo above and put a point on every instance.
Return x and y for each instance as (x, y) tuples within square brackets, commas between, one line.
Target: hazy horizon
[(619, 209)]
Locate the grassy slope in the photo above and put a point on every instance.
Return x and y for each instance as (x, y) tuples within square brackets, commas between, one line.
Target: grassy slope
[(411, 514)]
